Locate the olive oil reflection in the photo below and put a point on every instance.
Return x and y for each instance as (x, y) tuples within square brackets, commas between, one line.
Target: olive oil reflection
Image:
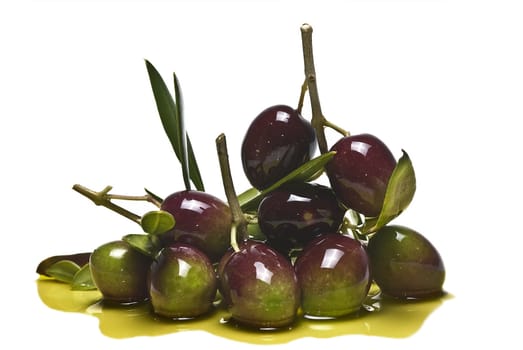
[(381, 317)]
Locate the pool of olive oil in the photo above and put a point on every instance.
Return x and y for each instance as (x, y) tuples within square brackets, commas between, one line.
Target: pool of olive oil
[(379, 317)]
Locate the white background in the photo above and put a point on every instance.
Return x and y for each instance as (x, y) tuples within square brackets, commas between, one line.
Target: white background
[(440, 79)]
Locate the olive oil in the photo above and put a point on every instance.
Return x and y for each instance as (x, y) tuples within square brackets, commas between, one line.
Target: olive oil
[(380, 317)]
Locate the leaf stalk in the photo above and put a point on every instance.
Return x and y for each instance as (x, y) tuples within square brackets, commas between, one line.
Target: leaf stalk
[(104, 198)]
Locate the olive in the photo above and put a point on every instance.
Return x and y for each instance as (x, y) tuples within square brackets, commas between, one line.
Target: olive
[(202, 220), (359, 172), (405, 264), (334, 276), (120, 272), (182, 282), (277, 141), (260, 286), (294, 214)]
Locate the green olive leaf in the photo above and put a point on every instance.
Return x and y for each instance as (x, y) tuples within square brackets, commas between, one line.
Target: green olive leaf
[(63, 270), (171, 115), (250, 199), (181, 136), (145, 244), (194, 171), (80, 259), (399, 193), (153, 195), (157, 222), (83, 280)]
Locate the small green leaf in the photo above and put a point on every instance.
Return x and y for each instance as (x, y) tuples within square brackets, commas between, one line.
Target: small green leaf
[(171, 115), (157, 222), (80, 259), (63, 270), (145, 244), (399, 194), (250, 199), (83, 280)]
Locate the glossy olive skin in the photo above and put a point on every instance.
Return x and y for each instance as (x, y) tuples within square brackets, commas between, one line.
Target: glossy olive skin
[(278, 141), (120, 272), (182, 282), (291, 216), (260, 286), (226, 299), (201, 219), (334, 276), (405, 264), (360, 171)]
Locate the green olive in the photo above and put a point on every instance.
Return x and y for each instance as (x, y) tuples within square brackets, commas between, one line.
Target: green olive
[(405, 264), (120, 272), (182, 282)]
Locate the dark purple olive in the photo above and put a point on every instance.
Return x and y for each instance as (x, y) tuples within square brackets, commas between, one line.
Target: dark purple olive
[(278, 141), (120, 272), (260, 286), (334, 276), (360, 171), (405, 264), (291, 216), (182, 282), (201, 219)]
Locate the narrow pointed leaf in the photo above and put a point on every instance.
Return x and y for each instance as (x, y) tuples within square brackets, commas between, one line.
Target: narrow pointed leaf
[(171, 115), (250, 199), (182, 135), (157, 222), (305, 172), (83, 280), (165, 106), (196, 177), (155, 196), (399, 194), (63, 270)]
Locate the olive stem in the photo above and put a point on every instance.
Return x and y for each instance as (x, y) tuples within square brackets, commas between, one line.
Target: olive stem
[(239, 223), (337, 128), (304, 88), (310, 77), (145, 198), (234, 241), (103, 198), (251, 218), (318, 121)]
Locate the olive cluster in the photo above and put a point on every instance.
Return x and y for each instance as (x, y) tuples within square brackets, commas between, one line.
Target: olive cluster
[(303, 248), (303, 262)]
